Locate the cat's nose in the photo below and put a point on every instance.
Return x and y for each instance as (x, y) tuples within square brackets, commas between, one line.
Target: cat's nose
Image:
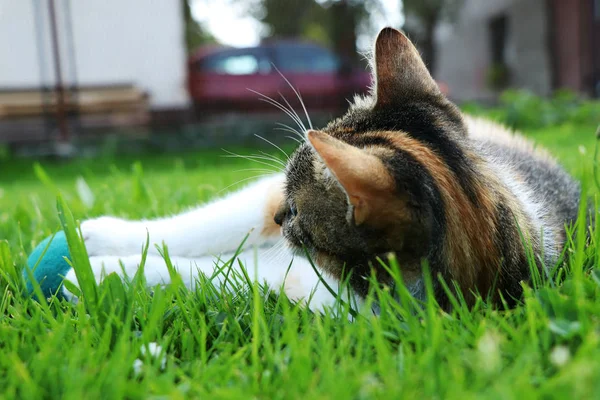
[(279, 216)]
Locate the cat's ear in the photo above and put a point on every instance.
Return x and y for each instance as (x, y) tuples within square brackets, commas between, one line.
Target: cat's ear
[(363, 176), (400, 72)]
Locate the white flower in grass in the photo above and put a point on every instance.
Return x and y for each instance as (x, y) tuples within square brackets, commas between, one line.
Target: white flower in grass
[(85, 193), (488, 349), (559, 356), (137, 366), (149, 353), (370, 386), (582, 149)]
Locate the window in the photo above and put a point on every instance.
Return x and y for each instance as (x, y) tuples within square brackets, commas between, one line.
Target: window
[(301, 59), (239, 65), (236, 64)]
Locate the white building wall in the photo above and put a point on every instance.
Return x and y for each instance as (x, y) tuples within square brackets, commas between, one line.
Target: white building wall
[(531, 65), (464, 54), (115, 42), (463, 59), (18, 52)]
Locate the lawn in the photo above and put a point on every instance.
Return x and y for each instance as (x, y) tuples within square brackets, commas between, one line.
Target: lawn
[(254, 345)]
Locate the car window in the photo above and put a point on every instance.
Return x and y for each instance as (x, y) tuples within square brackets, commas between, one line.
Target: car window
[(238, 63), (305, 59)]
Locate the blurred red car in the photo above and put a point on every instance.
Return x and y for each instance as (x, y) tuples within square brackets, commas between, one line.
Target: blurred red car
[(223, 79)]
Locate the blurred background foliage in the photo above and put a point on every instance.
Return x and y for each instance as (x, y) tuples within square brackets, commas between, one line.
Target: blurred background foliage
[(521, 109), (333, 23), (195, 34)]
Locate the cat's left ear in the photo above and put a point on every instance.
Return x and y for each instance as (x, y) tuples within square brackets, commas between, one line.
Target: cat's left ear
[(399, 70), (363, 176)]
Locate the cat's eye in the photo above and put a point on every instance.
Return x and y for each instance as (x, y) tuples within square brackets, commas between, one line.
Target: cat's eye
[(293, 210)]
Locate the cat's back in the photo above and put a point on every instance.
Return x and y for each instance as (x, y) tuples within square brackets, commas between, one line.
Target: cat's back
[(548, 193)]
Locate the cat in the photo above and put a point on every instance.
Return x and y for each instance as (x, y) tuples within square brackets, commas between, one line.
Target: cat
[(403, 172)]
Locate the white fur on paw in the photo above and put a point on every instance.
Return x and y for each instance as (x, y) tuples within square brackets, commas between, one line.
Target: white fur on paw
[(112, 236), (69, 296), (103, 266)]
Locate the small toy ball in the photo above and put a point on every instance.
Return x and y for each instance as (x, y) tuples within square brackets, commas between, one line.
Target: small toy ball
[(48, 265)]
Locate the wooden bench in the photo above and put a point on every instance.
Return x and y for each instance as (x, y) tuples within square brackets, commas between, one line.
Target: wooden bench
[(23, 113)]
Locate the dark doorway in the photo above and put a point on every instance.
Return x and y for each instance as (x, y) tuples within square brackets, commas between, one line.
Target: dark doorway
[(498, 75)]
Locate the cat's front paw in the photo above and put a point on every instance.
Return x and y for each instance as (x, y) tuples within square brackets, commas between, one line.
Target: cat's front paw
[(112, 236)]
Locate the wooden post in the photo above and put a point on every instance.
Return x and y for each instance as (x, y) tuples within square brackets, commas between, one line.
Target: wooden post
[(59, 88)]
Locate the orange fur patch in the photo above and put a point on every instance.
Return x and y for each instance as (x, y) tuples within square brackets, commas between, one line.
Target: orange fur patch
[(469, 245)]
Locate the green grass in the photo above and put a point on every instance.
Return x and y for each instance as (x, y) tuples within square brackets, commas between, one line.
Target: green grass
[(220, 345)]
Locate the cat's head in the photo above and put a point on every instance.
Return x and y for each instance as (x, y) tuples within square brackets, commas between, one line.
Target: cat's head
[(369, 183)]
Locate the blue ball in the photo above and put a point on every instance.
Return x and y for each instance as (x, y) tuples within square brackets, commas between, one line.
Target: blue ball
[(49, 271)]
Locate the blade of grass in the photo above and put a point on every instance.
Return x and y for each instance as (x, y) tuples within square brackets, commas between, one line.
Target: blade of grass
[(81, 261)]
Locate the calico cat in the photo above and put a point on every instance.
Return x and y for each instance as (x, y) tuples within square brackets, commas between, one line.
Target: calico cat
[(402, 172)]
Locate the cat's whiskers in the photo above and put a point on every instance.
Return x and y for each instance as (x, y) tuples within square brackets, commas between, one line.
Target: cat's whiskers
[(261, 156), (243, 180), (275, 248), (294, 139), (260, 159), (272, 157), (275, 164), (267, 255), (286, 128), (270, 171), (276, 252), (289, 107), (290, 113), (287, 157), (297, 95)]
